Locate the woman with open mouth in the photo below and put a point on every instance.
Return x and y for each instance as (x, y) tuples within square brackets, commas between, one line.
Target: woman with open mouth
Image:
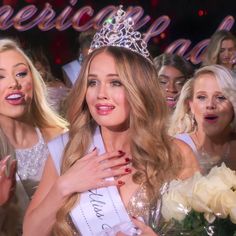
[(173, 71), (205, 116), (26, 120), (116, 113)]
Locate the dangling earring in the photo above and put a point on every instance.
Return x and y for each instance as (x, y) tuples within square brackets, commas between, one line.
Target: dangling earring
[(80, 58), (192, 120)]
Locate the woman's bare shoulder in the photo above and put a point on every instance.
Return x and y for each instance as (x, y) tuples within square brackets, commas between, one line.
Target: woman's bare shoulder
[(190, 163)]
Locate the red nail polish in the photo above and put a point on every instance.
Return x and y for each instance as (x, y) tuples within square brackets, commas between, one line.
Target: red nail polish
[(94, 149), (121, 153), (128, 170), (127, 159), (134, 217), (120, 182)]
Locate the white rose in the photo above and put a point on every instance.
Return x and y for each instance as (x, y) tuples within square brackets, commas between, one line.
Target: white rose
[(174, 204), (201, 195), (189, 183), (186, 188), (223, 203), (225, 174), (232, 214)]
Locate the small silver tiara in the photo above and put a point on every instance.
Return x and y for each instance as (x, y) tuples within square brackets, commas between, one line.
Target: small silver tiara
[(118, 31)]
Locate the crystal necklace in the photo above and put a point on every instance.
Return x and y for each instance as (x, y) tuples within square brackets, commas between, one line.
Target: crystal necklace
[(31, 160), (207, 160), (223, 156)]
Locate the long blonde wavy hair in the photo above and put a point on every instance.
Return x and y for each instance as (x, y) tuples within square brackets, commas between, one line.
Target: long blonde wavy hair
[(154, 156), (213, 49), (182, 119), (40, 113)]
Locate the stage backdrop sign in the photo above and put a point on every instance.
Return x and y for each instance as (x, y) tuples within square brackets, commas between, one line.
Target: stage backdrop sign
[(46, 19)]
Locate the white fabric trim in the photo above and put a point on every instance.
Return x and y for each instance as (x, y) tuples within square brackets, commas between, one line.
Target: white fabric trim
[(188, 140), (56, 149), (100, 212)]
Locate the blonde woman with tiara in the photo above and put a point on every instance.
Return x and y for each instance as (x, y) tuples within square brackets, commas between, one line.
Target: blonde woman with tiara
[(117, 153), (26, 119)]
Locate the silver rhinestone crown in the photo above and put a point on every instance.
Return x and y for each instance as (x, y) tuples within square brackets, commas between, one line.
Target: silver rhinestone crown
[(118, 31)]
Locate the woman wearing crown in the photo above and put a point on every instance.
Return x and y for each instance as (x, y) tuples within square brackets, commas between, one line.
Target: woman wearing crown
[(117, 154)]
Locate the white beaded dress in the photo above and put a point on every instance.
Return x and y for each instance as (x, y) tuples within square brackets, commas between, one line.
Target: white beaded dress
[(30, 165)]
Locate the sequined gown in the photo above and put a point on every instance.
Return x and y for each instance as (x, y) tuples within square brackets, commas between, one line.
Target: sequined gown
[(140, 206), (30, 164)]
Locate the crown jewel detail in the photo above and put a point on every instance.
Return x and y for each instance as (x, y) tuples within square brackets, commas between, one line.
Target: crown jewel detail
[(118, 31)]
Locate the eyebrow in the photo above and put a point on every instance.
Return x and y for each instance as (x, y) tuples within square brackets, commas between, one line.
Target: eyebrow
[(201, 91), (109, 75), (205, 91), (176, 77), (16, 65), (19, 64)]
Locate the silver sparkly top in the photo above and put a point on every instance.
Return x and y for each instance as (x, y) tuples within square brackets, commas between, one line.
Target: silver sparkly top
[(140, 206), (30, 164)]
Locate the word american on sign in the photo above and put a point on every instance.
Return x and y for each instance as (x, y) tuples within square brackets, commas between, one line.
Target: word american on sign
[(47, 19)]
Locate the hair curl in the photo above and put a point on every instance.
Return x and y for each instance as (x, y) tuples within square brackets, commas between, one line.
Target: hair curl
[(154, 158), (213, 49), (40, 113)]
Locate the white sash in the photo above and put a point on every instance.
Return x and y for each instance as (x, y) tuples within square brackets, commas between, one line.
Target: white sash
[(101, 211)]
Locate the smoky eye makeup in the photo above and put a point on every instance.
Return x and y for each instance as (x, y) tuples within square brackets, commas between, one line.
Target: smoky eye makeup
[(92, 82), (116, 83), (22, 73)]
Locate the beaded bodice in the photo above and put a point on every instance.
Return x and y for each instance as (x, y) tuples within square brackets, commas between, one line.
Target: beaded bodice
[(30, 163), (140, 206)]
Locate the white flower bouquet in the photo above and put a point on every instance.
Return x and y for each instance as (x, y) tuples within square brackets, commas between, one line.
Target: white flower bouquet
[(201, 205)]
